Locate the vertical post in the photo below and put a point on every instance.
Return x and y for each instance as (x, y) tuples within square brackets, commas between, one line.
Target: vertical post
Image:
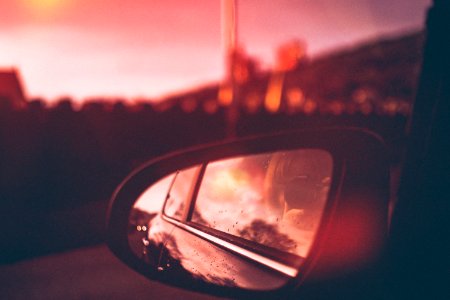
[(229, 28), (227, 92)]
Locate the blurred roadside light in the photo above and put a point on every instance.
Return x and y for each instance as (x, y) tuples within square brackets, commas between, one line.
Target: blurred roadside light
[(225, 95), (274, 91), (210, 106), (310, 107), (189, 105), (363, 95), (393, 106), (336, 107), (366, 108), (252, 102), (295, 100)]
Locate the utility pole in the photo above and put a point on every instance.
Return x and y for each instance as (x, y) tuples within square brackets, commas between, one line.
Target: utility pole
[(228, 90)]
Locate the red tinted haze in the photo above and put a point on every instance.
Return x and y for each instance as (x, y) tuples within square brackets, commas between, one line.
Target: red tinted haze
[(145, 48)]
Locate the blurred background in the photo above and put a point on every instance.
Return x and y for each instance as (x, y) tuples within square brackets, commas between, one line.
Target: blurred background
[(89, 90)]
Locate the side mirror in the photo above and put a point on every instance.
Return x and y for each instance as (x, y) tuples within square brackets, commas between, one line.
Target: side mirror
[(258, 215)]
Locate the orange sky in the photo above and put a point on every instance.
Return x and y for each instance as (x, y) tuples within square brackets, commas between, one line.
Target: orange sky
[(152, 48)]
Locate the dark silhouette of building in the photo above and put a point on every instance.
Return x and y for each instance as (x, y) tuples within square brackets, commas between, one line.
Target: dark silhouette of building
[(11, 91)]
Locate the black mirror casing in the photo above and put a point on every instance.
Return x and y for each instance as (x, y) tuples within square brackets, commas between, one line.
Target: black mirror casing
[(354, 225)]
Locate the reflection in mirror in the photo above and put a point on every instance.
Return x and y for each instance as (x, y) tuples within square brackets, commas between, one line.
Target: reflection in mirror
[(148, 232), (274, 199), (247, 221), (147, 206)]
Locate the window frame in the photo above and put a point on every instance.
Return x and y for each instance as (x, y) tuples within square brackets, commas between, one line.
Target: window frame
[(189, 196)]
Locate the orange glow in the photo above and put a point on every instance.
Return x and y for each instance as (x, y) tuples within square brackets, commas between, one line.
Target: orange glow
[(229, 180), (240, 196), (295, 99), (290, 54), (45, 7), (310, 106), (230, 174), (225, 95), (274, 91), (252, 102)]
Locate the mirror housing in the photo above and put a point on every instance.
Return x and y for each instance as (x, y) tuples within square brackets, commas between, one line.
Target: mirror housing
[(354, 224)]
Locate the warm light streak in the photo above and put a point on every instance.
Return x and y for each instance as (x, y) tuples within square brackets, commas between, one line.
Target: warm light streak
[(274, 91)]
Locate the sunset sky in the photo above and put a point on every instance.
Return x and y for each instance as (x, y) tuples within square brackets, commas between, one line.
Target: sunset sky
[(151, 48)]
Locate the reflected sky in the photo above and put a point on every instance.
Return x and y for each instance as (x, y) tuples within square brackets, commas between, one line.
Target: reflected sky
[(152, 200), (274, 199)]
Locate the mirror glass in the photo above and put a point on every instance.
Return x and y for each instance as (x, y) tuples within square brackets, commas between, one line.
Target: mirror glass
[(272, 199), (246, 221), (148, 205)]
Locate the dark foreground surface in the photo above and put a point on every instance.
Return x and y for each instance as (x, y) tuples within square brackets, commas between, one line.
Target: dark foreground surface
[(87, 273)]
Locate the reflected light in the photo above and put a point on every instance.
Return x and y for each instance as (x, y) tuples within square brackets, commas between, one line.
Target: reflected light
[(229, 180)]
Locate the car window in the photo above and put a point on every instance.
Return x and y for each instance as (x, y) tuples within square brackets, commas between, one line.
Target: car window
[(273, 199), (179, 192)]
